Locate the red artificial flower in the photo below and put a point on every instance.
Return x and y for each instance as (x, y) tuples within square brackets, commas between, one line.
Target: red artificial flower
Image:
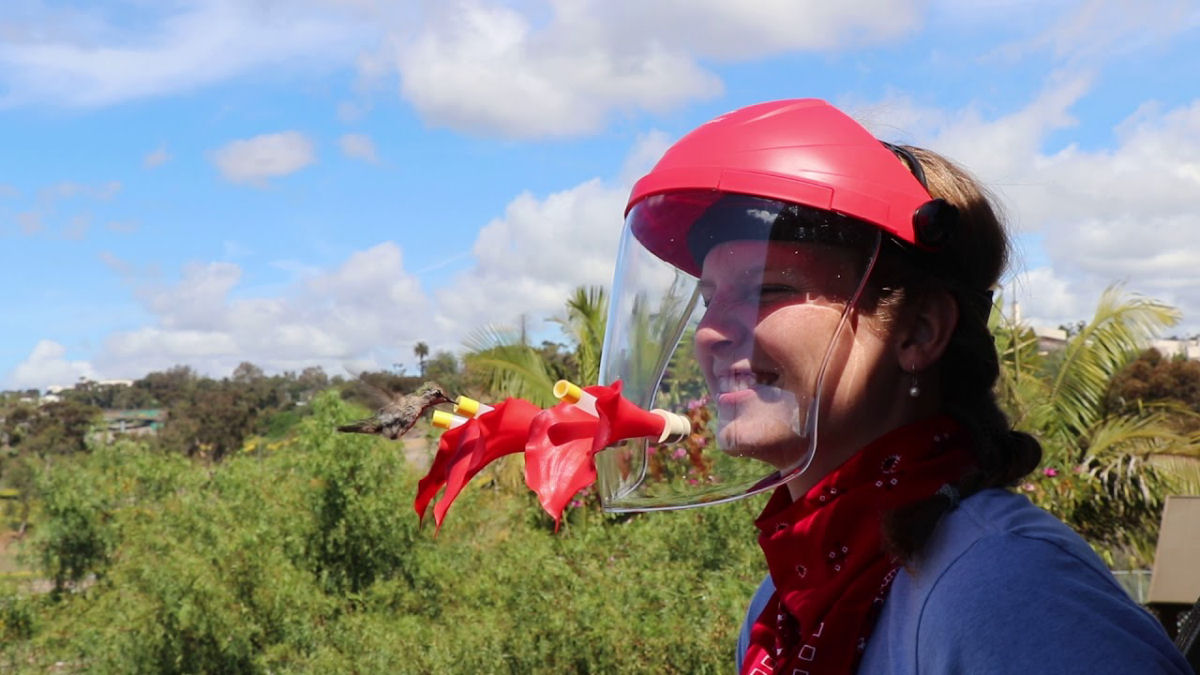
[(465, 450), (563, 442), (560, 444), (558, 456)]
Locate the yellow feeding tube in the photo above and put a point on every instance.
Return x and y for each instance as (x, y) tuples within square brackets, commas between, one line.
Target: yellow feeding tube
[(444, 420), (469, 407), (570, 392)]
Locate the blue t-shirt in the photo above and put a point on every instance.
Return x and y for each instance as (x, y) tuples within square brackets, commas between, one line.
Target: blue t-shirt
[(1004, 587)]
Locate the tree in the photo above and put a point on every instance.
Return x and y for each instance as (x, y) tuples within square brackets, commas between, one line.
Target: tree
[(421, 350), (213, 423), (511, 367), (1151, 378), (587, 312), (170, 386), (57, 428), (443, 369), (247, 373), (1099, 466)]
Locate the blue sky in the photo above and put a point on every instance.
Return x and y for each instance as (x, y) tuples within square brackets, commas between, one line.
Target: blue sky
[(327, 182)]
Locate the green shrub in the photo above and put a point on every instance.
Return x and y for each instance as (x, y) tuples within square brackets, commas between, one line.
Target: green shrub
[(309, 559)]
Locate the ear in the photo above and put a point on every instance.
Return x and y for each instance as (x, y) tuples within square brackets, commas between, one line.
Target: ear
[(928, 324)]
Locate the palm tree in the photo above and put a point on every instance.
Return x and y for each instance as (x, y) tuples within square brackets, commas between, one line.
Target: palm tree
[(513, 368), (421, 350), (1101, 467), (587, 311)]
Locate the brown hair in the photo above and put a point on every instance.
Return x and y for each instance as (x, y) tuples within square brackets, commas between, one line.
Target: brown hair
[(968, 266)]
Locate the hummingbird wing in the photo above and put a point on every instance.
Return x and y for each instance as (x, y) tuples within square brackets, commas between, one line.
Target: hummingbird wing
[(367, 426)]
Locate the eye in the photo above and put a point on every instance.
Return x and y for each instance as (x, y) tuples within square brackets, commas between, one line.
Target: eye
[(768, 293)]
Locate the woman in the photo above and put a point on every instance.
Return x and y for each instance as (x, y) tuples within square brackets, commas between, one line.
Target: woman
[(834, 292)]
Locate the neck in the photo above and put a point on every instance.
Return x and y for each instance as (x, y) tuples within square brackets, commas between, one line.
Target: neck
[(827, 458)]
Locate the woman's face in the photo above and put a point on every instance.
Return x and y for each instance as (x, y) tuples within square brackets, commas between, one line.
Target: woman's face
[(773, 310)]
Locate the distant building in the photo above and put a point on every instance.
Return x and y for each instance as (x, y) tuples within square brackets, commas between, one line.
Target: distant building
[(1172, 348), (134, 422), (1050, 339), (115, 383), (1053, 339)]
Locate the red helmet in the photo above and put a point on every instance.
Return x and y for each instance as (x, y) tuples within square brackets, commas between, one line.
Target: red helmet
[(801, 151), (759, 185)]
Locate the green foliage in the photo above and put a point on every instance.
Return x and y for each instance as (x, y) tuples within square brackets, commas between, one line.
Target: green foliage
[(56, 428), (309, 559), (509, 367), (1152, 378), (361, 530), (587, 312), (421, 350), (1098, 472), (443, 369), (78, 537)]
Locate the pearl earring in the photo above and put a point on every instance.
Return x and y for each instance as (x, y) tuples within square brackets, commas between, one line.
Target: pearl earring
[(914, 391)]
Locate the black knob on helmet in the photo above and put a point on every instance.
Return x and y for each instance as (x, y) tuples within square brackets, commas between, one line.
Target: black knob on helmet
[(934, 222)]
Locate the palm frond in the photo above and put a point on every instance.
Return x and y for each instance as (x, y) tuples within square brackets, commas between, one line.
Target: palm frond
[(1184, 473), (1120, 328), (1019, 386), (510, 367), (587, 312)]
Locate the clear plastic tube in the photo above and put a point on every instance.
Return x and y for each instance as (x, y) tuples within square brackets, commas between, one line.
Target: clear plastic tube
[(574, 394)]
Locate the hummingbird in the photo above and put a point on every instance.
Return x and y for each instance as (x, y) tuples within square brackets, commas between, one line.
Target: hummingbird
[(400, 413)]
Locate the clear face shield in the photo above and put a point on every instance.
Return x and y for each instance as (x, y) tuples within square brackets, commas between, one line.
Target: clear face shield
[(737, 312)]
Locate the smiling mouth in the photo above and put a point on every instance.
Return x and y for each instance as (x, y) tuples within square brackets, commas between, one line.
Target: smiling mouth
[(733, 382)]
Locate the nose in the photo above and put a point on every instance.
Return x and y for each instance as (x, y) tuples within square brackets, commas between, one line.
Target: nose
[(724, 328)]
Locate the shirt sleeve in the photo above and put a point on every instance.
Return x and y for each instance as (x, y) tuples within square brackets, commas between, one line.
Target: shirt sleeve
[(1017, 604), (765, 590)]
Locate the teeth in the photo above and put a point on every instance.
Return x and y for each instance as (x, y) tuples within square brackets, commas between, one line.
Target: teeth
[(737, 382)]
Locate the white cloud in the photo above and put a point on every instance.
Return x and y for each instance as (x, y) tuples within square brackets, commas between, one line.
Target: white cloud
[(197, 299), (364, 311), (86, 58), (156, 158), (123, 268), (349, 111), (46, 365), (70, 189), (122, 226), (492, 69), (473, 65), (1127, 213), (647, 150), (359, 146), (735, 31), (1099, 30), (368, 311), (1045, 298), (253, 160), (30, 223), (78, 227), (528, 261), (488, 70)]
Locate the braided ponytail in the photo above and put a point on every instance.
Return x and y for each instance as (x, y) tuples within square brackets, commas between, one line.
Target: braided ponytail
[(967, 266)]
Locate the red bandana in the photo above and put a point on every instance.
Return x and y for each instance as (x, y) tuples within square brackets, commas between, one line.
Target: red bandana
[(825, 551)]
